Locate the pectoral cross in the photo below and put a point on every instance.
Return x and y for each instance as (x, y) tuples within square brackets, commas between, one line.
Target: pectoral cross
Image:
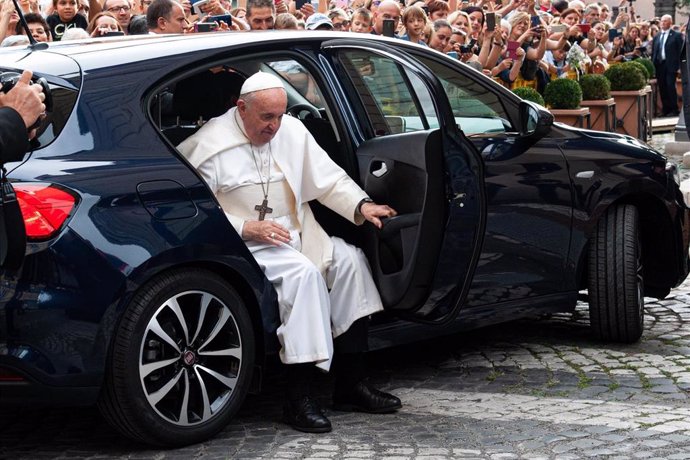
[(263, 209)]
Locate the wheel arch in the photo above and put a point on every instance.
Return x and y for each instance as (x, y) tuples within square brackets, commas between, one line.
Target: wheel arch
[(657, 240), (256, 292)]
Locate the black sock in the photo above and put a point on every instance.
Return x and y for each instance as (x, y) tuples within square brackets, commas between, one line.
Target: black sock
[(298, 379)]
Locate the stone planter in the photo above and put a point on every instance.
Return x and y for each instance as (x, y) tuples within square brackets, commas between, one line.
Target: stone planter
[(631, 113), (602, 114), (656, 100), (580, 118)]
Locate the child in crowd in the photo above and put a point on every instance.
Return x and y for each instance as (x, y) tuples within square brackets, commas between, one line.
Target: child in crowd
[(37, 26), (361, 21), (414, 20), (65, 17)]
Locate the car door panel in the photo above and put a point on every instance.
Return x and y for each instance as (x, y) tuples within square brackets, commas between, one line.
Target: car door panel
[(422, 166), (410, 185), (529, 213)]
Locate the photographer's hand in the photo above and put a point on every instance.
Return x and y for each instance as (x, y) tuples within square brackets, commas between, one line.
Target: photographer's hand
[(26, 99)]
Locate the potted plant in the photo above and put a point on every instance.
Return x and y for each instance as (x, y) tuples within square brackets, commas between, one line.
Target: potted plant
[(652, 96), (628, 81), (529, 94), (563, 97), (596, 95)]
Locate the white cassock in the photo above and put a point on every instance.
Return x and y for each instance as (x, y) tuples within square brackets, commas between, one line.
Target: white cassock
[(323, 283)]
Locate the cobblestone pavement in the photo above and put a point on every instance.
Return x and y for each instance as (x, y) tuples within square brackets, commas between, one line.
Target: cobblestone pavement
[(535, 388)]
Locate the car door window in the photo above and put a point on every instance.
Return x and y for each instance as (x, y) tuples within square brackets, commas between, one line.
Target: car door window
[(299, 78), (477, 110), (393, 98)]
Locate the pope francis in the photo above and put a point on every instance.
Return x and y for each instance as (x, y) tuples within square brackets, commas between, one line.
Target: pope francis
[(264, 168)]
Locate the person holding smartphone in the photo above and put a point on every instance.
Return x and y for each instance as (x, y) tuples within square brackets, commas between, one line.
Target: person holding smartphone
[(388, 10), (102, 24)]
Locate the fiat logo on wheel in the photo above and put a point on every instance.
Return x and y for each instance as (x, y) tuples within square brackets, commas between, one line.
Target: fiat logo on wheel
[(189, 358)]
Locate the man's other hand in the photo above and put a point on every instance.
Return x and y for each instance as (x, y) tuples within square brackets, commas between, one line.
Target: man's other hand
[(372, 212)]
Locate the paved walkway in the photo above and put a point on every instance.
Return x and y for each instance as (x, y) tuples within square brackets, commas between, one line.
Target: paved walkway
[(539, 388)]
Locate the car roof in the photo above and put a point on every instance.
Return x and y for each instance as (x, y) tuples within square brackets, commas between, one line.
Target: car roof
[(138, 47)]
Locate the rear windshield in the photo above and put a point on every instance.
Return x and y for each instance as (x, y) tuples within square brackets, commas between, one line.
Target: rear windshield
[(64, 97)]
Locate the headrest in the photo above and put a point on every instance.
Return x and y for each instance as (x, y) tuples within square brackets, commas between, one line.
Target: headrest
[(207, 94)]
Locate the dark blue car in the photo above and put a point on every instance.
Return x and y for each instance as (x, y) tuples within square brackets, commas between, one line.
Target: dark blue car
[(135, 292)]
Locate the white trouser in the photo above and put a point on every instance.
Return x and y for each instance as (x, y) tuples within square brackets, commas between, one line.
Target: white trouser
[(310, 314)]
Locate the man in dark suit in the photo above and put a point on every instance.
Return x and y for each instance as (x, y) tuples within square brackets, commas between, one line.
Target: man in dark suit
[(19, 109), (666, 49)]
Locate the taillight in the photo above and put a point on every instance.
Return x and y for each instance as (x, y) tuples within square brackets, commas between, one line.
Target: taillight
[(45, 209), (7, 375)]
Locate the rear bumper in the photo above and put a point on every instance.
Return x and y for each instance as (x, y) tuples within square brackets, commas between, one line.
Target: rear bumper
[(19, 388)]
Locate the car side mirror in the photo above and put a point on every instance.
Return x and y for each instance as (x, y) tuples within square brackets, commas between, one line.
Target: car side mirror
[(534, 120)]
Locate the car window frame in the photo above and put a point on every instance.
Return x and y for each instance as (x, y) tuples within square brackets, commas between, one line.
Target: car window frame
[(506, 97), (401, 56)]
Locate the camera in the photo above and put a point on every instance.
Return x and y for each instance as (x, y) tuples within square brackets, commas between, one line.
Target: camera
[(9, 79), (465, 48)]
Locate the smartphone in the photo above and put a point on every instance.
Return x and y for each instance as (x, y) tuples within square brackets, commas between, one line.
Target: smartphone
[(536, 22), (452, 54), (615, 10), (197, 6), (465, 49), (226, 18), (113, 33), (613, 33), (300, 3), (205, 27), (512, 49), (388, 28), (490, 22), (556, 28), (584, 28)]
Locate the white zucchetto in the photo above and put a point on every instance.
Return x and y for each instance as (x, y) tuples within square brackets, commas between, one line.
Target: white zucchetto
[(260, 81)]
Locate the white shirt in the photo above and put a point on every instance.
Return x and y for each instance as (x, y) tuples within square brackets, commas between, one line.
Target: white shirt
[(662, 43)]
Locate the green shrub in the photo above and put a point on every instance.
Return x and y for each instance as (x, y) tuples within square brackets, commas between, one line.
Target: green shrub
[(626, 77), (595, 87), (563, 93), (648, 65), (529, 94), (643, 68)]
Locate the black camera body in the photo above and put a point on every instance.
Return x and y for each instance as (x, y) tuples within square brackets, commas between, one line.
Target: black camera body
[(9, 79)]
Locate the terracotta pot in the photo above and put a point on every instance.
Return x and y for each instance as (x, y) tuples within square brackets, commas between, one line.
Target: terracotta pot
[(631, 113), (579, 118), (603, 113)]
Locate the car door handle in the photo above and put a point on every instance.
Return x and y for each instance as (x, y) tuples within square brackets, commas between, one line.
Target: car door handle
[(378, 168)]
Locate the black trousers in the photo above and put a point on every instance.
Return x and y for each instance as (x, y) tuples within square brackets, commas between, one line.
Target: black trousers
[(666, 80)]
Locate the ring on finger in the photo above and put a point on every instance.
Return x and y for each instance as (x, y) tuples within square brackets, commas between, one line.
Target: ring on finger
[(273, 235)]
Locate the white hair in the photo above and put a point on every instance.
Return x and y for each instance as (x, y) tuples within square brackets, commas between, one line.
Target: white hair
[(576, 4), (75, 33), (15, 40)]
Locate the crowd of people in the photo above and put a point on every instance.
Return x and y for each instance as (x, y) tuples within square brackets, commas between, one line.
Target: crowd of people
[(516, 42)]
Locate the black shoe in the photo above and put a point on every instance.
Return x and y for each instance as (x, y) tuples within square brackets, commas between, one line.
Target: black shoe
[(305, 414), (363, 398)]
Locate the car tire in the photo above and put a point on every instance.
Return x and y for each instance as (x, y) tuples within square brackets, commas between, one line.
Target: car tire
[(616, 283), (185, 341)]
